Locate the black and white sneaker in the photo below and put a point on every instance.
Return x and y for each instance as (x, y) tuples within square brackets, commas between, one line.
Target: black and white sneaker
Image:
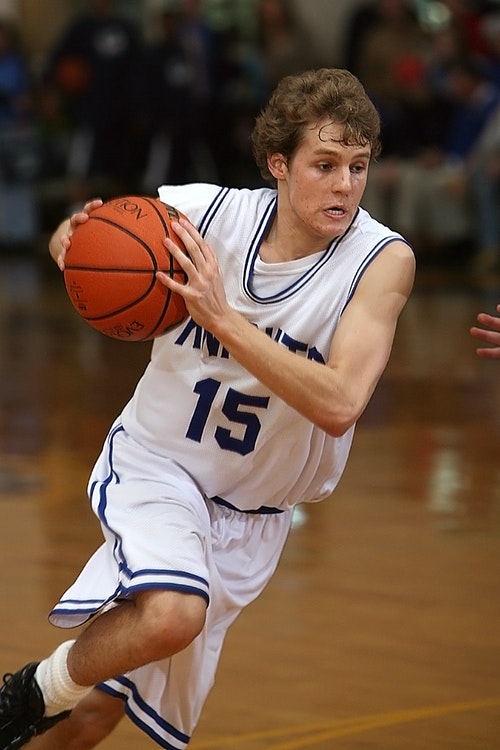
[(22, 709)]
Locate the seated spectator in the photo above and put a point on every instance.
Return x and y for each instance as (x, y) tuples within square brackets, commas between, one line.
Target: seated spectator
[(432, 190)]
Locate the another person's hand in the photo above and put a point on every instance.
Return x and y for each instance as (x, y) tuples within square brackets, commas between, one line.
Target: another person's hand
[(489, 333)]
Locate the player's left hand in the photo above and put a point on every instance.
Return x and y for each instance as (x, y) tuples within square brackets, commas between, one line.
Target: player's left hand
[(60, 241)]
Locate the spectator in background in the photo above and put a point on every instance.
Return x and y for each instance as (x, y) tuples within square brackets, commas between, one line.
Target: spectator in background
[(475, 99), (20, 155), (282, 44), (484, 184), (184, 82), (395, 35), (467, 17), (446, 200), (484, 164), (474, 148), (279, 47), (166, 94), (91, 67), (360, 21), (447, 43), (204, 49), (490, 29), (401, 185)]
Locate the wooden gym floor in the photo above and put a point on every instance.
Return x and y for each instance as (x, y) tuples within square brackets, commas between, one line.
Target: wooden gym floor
[(381, 628)]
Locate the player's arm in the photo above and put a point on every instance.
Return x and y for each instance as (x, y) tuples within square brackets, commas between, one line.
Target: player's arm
[(60, 241), (331, 396), (490, 334)]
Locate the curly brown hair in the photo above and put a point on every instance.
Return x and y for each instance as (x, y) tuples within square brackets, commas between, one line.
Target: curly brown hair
[(311, 97)]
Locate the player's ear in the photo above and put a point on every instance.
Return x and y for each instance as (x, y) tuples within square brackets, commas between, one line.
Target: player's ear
[(277, 165)]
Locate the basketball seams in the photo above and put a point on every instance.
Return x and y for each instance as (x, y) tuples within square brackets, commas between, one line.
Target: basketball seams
[(171, 270), (130, 234), (122, 308), (155, 205)]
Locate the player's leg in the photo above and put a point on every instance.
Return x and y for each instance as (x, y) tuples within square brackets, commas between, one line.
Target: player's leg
[(90, 722), (144, 592), (153, 626)]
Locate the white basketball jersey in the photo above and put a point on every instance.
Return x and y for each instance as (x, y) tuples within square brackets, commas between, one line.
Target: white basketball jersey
[(200, 407)]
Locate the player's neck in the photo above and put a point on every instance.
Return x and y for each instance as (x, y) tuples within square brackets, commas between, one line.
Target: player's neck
[(284, 243)]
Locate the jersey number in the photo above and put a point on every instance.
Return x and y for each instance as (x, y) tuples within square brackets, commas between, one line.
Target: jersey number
[(207, 390)]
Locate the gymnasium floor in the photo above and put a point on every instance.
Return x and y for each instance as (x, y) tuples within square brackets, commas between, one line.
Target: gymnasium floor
[(381, 628)]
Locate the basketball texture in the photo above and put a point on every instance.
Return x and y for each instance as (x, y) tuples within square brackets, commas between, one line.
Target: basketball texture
[(111, 265)]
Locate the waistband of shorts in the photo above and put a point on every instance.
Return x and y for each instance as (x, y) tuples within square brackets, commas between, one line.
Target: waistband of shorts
[(263, 510)]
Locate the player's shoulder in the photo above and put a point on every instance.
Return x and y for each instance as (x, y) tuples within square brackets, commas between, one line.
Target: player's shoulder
[(200, 200), (372, 234), (366, 224), (391, 256)]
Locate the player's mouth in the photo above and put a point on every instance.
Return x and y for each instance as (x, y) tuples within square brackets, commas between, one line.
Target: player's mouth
[(336, 211)]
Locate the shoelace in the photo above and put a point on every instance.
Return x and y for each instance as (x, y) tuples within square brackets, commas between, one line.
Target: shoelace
[(7, 697)]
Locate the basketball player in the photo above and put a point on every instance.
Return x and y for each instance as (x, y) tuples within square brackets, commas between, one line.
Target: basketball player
[(490, 334), (245, 410)]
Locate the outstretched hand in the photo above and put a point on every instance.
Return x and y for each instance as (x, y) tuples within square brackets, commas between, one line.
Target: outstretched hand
[(203, 292), (489, 333)]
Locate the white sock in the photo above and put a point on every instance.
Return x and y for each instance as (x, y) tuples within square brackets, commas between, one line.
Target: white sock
[(60, 692)]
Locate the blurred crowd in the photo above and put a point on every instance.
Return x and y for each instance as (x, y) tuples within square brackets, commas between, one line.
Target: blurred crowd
[(115, 111), (435, 77)]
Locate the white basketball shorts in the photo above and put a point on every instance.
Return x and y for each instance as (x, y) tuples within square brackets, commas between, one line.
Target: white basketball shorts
[(162, 532)]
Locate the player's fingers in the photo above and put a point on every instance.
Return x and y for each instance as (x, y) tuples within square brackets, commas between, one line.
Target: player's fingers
[(183, 258), (171, 283), (80, 217), (192, 240), (92, 204)]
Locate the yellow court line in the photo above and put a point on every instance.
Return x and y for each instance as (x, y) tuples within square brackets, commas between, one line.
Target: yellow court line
[(311, 734)]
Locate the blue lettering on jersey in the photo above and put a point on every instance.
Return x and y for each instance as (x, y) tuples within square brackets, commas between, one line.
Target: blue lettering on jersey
[(203, 340)]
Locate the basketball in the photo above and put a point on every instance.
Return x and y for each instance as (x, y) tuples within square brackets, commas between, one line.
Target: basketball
[(111, 265)]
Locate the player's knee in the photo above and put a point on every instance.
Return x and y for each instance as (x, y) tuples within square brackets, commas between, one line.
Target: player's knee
[(170, 621)]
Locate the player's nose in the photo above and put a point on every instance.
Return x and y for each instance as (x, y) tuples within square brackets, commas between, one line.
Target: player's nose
[(341, 181)]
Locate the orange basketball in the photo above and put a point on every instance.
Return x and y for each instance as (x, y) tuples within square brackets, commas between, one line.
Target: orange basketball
[(111, 265)]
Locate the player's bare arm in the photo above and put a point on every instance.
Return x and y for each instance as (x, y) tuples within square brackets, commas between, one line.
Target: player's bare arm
[(364, 336), (332, 397), (489, 334)]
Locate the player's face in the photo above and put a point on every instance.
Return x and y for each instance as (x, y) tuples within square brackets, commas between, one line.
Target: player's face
[(322, 184)]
